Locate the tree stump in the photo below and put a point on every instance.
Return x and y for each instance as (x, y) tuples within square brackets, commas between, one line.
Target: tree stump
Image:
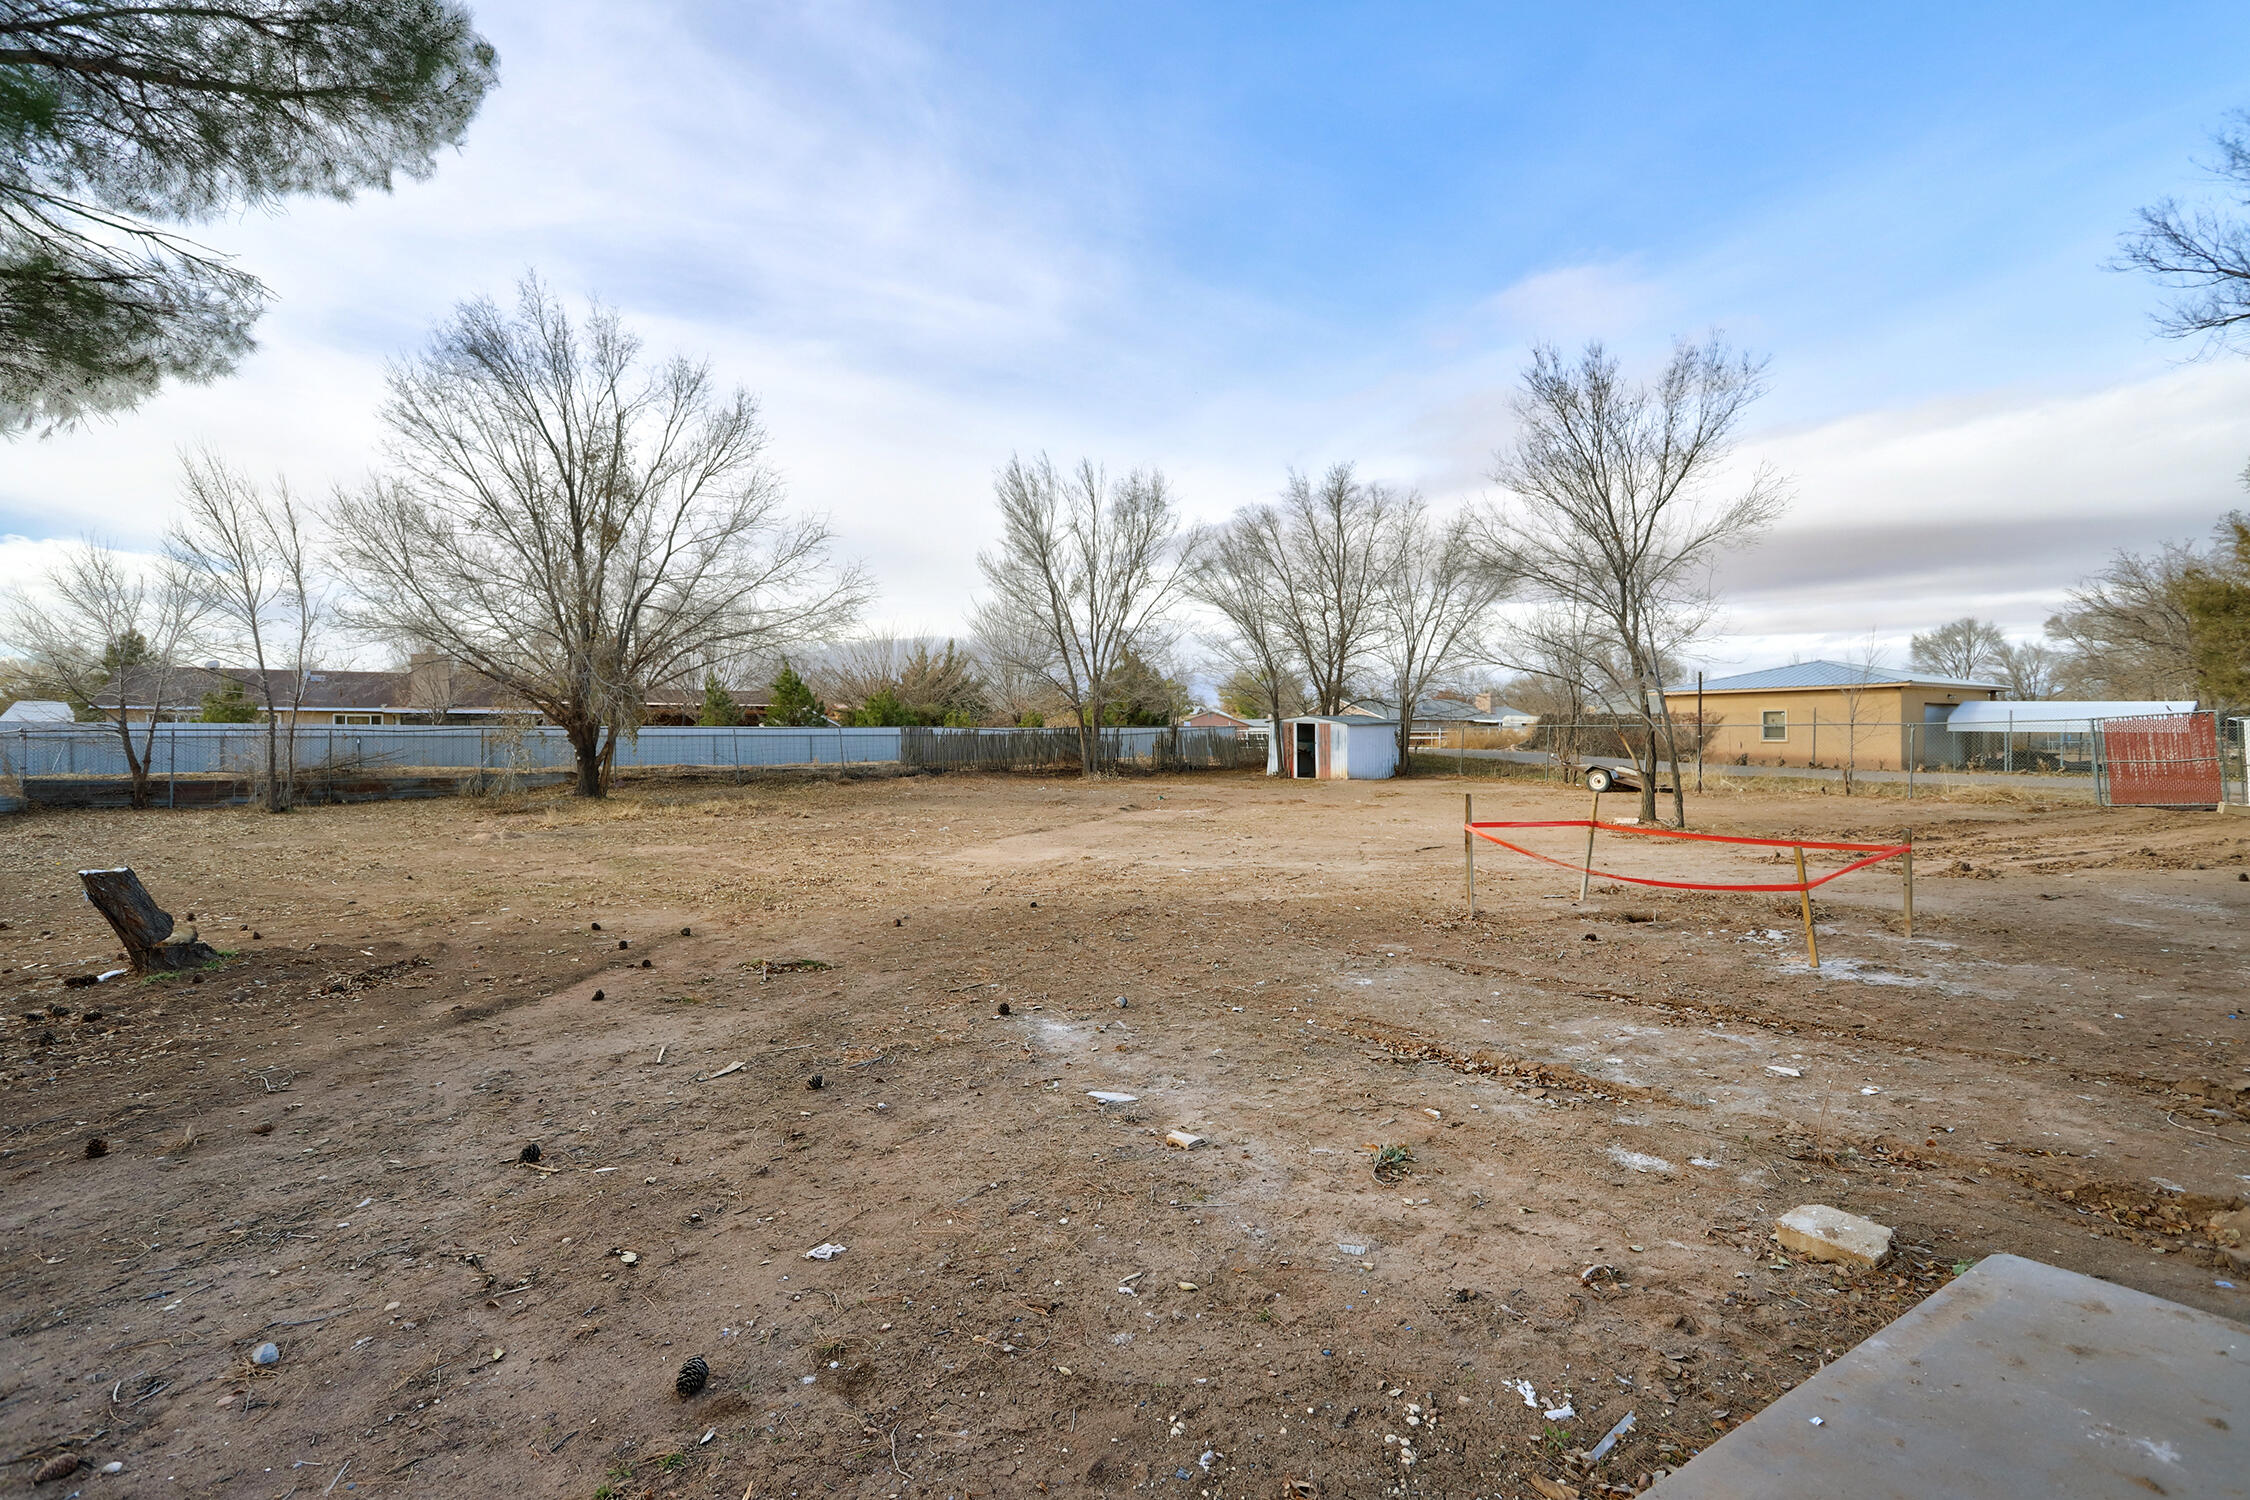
[(140, 924)]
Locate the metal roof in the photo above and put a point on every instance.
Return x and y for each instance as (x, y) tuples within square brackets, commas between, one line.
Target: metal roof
[(2056, 714), (37, 711), (1824, 674)]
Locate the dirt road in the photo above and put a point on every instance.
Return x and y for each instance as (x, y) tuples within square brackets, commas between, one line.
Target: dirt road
[(1593, 1116)]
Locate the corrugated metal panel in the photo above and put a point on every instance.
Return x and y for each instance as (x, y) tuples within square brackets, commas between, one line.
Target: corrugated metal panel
[(2054, 716)]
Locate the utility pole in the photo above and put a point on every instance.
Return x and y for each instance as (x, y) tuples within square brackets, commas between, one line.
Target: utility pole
[(1698, 736)]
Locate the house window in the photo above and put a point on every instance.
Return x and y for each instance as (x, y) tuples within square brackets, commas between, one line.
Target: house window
[(1773, 724), (359, 718)]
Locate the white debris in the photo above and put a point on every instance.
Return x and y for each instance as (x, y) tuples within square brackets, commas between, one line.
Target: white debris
[(824, 1252), (1184, 1139), (1784, 1072), (1525, 1389), (1105, 1096), (1639, 1161), (1871, 1089), (1561, 1413), (1352, 1249)]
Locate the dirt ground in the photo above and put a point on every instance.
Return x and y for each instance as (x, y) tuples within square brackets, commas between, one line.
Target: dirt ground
[(1602, 1109)]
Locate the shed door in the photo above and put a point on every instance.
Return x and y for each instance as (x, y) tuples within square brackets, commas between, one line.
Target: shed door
[(1306, 761)]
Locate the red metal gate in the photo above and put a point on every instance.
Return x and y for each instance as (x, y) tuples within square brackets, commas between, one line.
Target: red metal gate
[(2164, 760)]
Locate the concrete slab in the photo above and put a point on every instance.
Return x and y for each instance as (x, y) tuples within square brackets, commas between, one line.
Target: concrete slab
[(2015, 1381)]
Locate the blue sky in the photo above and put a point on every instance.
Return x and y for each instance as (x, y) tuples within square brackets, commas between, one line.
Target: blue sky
[(1231, 239)]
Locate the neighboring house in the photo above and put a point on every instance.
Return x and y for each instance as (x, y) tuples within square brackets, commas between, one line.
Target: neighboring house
[(1219, 718), (1821, 713), (432, 690), (1334, 748), (36, 711), (1435, 718)]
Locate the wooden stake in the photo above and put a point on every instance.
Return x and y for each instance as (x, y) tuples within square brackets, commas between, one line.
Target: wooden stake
[(1586, 876), (1469, 847), (1804, 897), (1909, 882)]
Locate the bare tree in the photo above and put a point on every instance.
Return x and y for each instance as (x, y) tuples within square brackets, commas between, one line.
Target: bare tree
[(104, 634), (1867, 674), (1612, 511), (1083, 575), (1433, 606), (1234, 577), (2126, 632), (249, 555), (577, 526), (1967, 649), (1557, 652), (2201, 254), (2028, 668), (1321, 548)]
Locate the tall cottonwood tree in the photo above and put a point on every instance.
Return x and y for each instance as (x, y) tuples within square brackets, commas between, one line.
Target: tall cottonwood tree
[(1434, 605), (119, 120), (1085, 572), (1966, 650), (107, 634), (249, 554), (578, 524), (1236, 581), (1321, 546), (2201, 253), (1616, 509)]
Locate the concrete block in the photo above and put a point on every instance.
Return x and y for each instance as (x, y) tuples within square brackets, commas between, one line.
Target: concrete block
[(1824, 1233)]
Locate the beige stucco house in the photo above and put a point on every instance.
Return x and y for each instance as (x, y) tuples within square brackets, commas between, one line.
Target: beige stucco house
[(1820, 713)]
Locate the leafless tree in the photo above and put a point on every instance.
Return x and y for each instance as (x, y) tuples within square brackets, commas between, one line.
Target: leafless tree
[(1614, 508), (249, 554), (2028, 668), (1322, 549), (2126, 632), (578, 526), (1868, 673), (103, 634), (1433, 605), (1237, 581), (2201, 254), (1084, 574), (1966, 650)]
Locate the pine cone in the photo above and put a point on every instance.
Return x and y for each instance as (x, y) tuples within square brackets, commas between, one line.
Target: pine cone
[(529, 1153), (694, 1375)]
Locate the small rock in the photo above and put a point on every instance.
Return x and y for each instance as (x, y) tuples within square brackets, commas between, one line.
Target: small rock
[(693, 1376), (1185, 1140), (263, 1127), (1122, 1003), (1004, 1008), (114, 1466), (629, 1257), (597, 997), (529, 1153), (266, 1354), (594, 927), (685, 932), (96, 1147), (1189, 1286), (1823, 1233), (257, 937), (648, 963), (813, 1082)]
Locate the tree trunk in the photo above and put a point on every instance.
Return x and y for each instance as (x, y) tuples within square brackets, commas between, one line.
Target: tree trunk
[(144, 928), (586, 745), (136, 769), (275, 801)]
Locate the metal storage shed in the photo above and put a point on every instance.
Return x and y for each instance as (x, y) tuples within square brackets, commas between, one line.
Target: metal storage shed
[(1331, 748)]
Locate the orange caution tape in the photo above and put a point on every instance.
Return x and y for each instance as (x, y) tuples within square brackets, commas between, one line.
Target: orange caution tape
[(1876, 853)]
